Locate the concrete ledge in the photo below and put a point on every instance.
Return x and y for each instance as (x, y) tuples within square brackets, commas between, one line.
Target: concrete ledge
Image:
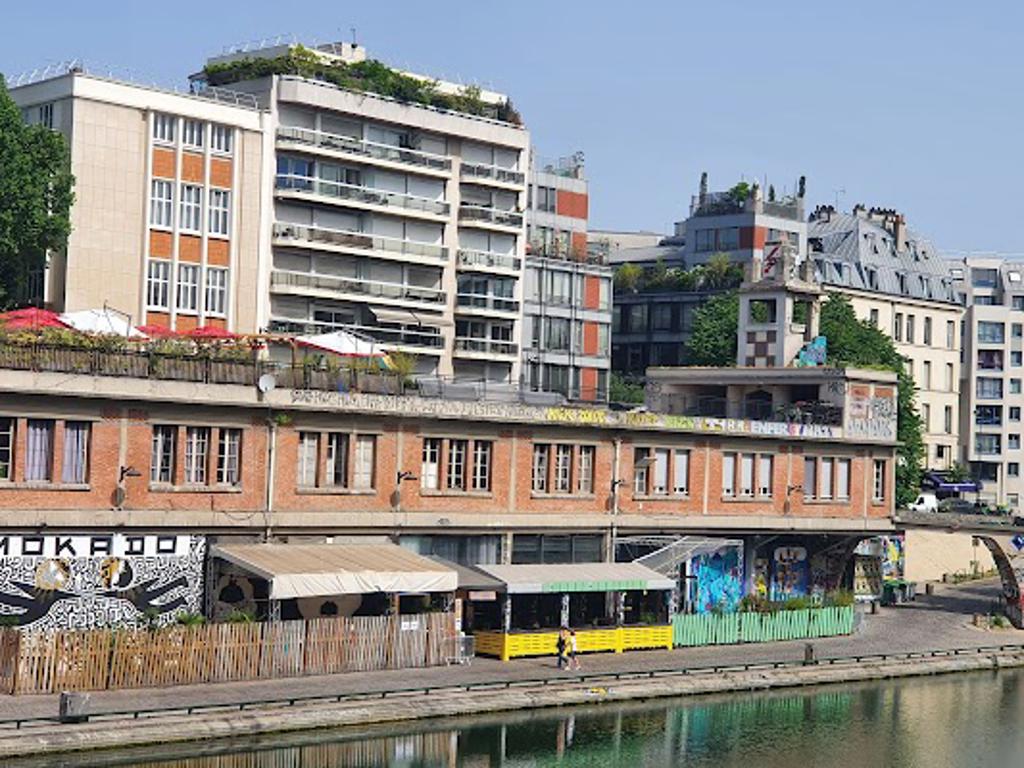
[(115, 734)]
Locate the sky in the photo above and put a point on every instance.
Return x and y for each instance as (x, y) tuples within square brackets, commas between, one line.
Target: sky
[(912, 105)]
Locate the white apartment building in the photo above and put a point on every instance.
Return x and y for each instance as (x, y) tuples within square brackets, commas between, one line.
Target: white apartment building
[(897, 280), (993, 371), (399, 220)]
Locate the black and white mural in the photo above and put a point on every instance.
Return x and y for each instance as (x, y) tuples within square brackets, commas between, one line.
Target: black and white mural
[(58, 581)]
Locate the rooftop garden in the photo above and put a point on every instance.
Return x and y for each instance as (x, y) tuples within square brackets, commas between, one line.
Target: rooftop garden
[(370, 76), (718, 274)]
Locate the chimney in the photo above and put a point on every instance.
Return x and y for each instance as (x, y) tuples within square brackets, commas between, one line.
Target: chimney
[(899, 231)]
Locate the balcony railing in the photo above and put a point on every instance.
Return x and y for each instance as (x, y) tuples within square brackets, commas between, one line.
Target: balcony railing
[(490, 215), (470, 258), (487, 346), (487, 301), (363, 241), (803, 412), (359, 194), (480, 171), (281, 278), (389, 336), (371, 149)]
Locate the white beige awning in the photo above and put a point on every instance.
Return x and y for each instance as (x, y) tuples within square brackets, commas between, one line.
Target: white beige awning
[(577, 577), (408, 317), (316, 570)]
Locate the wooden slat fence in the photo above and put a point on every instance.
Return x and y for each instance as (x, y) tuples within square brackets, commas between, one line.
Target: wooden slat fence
[(91, 660)]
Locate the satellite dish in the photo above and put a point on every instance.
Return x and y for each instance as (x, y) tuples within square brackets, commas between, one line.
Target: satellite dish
[(266, 383)]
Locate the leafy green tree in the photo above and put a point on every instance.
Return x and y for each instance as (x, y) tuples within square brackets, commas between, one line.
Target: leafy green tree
[(713, 341), (720, 273), (740, 192), (628, 277), (858, 343), (35, 199), (623, 390)]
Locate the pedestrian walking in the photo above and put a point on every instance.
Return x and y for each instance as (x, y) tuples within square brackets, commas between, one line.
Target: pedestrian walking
[(574, 661), (560, 646)]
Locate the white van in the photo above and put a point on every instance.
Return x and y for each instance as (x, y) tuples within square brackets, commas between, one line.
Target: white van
[(925, 502)]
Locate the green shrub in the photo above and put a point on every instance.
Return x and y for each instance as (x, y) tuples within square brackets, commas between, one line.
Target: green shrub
[(240, 617), (190, 619)]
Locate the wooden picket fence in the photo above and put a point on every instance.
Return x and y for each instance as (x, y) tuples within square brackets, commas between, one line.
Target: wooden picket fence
[(104, 659)]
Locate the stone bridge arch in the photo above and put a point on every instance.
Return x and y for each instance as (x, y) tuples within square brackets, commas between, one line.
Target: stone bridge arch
[(1010, 565)]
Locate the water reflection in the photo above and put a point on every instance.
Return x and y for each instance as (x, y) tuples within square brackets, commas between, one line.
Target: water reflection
[(965, 720)]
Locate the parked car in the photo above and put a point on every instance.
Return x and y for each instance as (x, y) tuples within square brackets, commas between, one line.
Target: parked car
[(925, 502), (960, 507)]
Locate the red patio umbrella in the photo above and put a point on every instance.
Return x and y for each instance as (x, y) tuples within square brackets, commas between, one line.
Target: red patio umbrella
[(31, 318), (157, 331), (212, 332)]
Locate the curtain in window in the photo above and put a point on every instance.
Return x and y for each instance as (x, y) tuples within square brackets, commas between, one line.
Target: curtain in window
[(76, 447), (39, 449)]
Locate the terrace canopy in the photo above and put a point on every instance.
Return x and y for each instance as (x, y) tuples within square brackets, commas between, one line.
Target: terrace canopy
[(318, 570), (577, 577)]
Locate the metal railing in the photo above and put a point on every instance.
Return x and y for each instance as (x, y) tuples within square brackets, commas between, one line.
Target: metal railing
[(483, 171), (487, 301), (712, 406), (487, 346), (358, 194), (282, 278), (491, 215), (360, 240), (371, 149), (394, 336), (471, 258)]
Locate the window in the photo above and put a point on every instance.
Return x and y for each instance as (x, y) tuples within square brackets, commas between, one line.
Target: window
[(926, 375), (825, 478), (336, 468), (990, 333), (540, 468), (842, 479), (874, 317), (220, 212), (46, 116), (1014, 412), (1013, 469), (197, 451), (926, 417), (75, 464), (659, 484), (910, 329), (6, 448), (1015, 330), (764, 476), (309, 449), (1018, 302), (704, 240), (585, 471), (163, 128), (192, 133), (456, 477), (949, 377), (681, 472), (987, 444), (39, 450), (989, 388), (158, 284), (641, 465), (430, 466), (191, 216), (728, 239), (927, 332), (366, 450), (216, 291), (160, 201), (897, 327), (482, 450), (1014, 386), (161, 464), (747, 474), (221, 138), (879, 480), (546, 199), (1013, 442), (729, 474), (810, 478), (563, 469), (661, 317), (188, 287), (950, 334), (229, 457)]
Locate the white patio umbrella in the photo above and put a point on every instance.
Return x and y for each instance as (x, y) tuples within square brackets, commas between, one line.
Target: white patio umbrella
[(101, 321), (342, 343)]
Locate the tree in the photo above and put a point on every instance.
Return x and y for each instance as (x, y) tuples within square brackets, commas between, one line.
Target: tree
[(627, 277), (713, 341), (35, 199), (623, 390), (859, 343), (720, 273)]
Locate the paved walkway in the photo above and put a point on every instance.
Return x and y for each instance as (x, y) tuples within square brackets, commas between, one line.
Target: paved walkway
[(940, 621)]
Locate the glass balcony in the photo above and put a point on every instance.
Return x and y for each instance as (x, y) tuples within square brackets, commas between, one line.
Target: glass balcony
[(487, 301), (300, 233), (492, 172), (280, 278), (426, 338), (368, 149), (367, 195), (486, 259), (490, 215), (487, 346)]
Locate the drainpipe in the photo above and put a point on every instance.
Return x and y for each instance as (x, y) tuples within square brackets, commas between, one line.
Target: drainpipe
[(616, 482), (271, 472)]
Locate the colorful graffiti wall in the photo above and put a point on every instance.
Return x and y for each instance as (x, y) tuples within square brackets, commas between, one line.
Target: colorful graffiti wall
[(717, 581), (58, 581)]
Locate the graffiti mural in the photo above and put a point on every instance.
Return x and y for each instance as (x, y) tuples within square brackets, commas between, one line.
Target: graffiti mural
[(790, 573), (718, 580), (81, 582)]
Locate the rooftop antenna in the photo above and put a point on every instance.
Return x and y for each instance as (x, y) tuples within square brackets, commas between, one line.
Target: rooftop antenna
[(353, 31), (838, 193)]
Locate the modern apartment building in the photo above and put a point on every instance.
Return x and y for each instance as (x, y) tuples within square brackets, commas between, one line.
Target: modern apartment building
[(166, 225), (896, 279), (397, 219), (567, 306), (991, 396)]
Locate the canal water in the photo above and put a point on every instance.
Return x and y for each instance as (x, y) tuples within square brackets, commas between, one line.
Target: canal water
[(974, 720)]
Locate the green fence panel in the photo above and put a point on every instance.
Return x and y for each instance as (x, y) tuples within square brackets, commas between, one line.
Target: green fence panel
[(710, 629)]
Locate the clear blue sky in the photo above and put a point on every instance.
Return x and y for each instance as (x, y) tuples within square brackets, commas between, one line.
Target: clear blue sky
[(914, 105)]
